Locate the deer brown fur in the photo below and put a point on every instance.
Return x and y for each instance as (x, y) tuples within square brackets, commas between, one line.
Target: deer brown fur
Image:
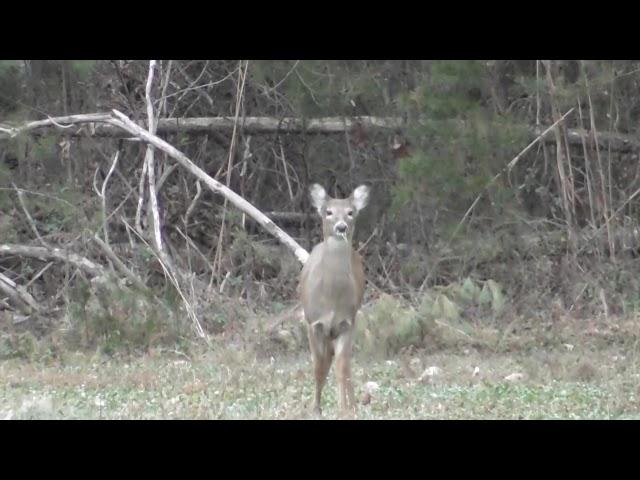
[(331, 290)]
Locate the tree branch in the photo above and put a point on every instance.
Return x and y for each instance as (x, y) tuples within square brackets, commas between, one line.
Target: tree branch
[(119, 264), (150, 161), (60, 254), (100, 127), (124, 122), (19, 295)]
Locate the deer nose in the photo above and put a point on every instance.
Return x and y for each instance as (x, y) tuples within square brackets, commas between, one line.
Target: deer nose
[(340, 228)]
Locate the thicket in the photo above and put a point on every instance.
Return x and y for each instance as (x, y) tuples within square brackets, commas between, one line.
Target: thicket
[(558, 226)]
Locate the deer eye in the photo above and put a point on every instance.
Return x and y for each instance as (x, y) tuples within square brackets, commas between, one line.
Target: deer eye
[(350, 213), (329, 213)]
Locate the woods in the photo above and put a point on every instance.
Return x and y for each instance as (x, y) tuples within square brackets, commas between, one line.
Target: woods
[(165, 204)]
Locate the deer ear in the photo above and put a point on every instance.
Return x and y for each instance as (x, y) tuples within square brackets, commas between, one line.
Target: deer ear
[(360, 197), (318, 197)]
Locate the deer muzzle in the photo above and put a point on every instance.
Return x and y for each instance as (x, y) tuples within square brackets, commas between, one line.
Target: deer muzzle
[(340, 228)]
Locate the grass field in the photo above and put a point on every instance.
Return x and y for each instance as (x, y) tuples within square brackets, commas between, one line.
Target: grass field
[(566, 382)]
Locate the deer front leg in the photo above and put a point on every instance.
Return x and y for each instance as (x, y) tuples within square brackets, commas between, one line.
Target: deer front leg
[(322, 356), (343, 373)]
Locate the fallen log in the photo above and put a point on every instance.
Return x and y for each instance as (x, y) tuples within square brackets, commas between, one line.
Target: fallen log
[(60, 254), (94, 125)]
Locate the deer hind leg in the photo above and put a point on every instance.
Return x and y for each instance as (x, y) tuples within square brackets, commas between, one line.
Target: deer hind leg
[(343, 372), (322, 354)]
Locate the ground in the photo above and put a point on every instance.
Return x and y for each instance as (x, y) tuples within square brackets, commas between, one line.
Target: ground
[(597, 380)]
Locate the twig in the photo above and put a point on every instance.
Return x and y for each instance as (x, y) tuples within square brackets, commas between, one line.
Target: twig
[(32, 224), (224, 282), (373, 234), (200, 87), (95, 180), (608, 219), (538, 94), (103, 195), (509, 167), (121, 204), (193, 245), (587, 170), (606, 206), (564, 186), (605, 305), (246, 155), (162, 107), (141, 190), (19, 295), (313, 97), (193, 203), (284, 217), (132, 106), (457, 330), (169, 272), (39, 274), (286, 173), (120, 264), (164, 176), (217, 260), (51, 197), (284, 78)]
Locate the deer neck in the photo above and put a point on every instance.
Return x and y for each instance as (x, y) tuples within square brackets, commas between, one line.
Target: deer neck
[(336, 257)]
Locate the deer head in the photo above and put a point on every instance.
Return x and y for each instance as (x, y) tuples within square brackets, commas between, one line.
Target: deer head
[(339, 215)]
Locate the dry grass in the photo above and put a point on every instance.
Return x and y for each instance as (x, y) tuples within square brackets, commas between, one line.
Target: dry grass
[(593, 378), (459, 353)]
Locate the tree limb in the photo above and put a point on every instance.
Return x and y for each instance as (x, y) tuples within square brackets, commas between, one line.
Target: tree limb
[(121, 121), (32, 224), (124, 122), (119, 264), (150, 161), (60, 254), (98, 126), (19, 295)]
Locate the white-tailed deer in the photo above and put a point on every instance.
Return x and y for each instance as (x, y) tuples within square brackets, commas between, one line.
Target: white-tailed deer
[(331, 290)]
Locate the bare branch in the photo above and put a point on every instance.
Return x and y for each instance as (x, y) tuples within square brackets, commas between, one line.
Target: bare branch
[(39, 274), (285, 216), (509, 166), (38, 194), (286, 173), (242, 76), (138, 218), (170, 272), (150, 161), (285, 77), (120, 264), (44, 253), (253, 125), (193, 202), (57, 121), (19, 295), (103, 195), (164, 177), (32, 224), (122, 120), (100, 126)]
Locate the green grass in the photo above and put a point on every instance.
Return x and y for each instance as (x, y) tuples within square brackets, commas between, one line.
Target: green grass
[(226, 383)]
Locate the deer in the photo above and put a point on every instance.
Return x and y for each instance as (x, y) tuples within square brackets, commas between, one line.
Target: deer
[(331, 289)]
